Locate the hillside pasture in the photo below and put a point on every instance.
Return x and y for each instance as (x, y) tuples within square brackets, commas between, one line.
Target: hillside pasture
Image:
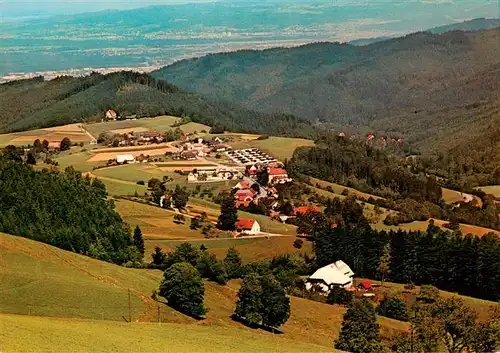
[(160, 123), (41, 280), (422, 227), (155, 222), (73, 131), (106, 154), (109, 336), (491, 189), (451, 196), (280, 147), (338, 189)]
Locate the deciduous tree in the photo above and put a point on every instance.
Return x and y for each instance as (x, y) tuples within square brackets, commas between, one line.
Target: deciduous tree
[(183, 288), (360, 330)]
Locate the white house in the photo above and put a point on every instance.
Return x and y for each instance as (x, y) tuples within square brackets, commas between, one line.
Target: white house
[(248, 226), (125, 158), (334, 274)]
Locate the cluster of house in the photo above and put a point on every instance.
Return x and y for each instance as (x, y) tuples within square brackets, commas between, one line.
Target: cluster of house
[(336, 274), (203, 175), (138, 138), (190, 150), (383, 139), (248, 191), (277, 174), (250, 156)]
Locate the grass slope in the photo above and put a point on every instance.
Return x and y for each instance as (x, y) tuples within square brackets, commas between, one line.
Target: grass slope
[(40, 334), (40, 280)]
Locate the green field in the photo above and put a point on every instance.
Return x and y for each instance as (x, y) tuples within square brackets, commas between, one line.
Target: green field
[(40, 280), (160, 124), (40, 334), (491, 189), (279, 147), (338, 189)]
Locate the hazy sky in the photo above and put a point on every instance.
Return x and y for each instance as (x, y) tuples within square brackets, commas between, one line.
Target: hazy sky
[(48, 7)]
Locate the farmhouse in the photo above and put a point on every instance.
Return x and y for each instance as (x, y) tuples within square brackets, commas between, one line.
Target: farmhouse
[(111, 114), (334, 274), (244, 194), (125, 158), (189, 155), (277, 175), (247, 226)]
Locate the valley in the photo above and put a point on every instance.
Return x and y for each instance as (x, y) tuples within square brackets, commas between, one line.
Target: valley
[(325, 197)]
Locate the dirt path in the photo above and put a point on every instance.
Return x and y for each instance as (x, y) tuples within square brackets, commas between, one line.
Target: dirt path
[(109, 179)]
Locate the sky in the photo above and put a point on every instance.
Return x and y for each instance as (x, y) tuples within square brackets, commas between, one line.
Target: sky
[(15, 8)]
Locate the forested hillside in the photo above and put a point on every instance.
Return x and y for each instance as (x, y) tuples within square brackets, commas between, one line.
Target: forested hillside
[(36, 103), (424, 86), (64, 210)]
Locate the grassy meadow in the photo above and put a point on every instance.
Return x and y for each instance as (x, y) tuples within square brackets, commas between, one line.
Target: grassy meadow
[(43, 281), (42, 334), (491, 189), (279, 147)]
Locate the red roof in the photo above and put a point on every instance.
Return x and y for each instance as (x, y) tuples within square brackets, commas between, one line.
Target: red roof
[(245, 192), (365, 284), (244, 223), (306, 209), (277, 171)]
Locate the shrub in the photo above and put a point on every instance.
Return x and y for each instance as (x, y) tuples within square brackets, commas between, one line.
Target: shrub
[(140, 182), (428, 294), (298, 243), (339, 295)]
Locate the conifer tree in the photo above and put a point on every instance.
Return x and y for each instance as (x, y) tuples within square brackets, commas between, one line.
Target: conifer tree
[(232, 263), (385, 262), (228, 214), (138, 240)]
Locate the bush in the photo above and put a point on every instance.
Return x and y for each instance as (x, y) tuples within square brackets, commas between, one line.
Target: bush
[(263, 137), (298, 243), (428, 294), (393, 307), (140, 182), (339, 295)]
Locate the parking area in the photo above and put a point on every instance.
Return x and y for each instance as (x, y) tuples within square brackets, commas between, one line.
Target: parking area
[(250, 156)]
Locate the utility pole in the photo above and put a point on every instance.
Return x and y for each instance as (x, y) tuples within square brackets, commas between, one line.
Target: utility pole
[(159, 320), (129, 311)]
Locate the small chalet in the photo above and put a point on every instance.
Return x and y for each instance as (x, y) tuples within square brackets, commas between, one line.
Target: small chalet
[(111, 114), (247, 226), (334, 274)]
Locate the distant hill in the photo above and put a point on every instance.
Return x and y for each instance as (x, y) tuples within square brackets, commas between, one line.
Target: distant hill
[(421, 86), (477, 24), (36, 103)]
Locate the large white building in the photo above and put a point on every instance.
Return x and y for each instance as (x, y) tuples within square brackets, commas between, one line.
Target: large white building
[(125, 158), (334, 274)]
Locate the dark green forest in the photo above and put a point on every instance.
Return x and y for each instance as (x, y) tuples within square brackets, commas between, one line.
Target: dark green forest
[(64, 210), (411, 186), (37, 103), (466, 264), (433, 90)]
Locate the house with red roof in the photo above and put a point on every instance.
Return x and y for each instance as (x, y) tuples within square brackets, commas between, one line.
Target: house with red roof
[(277, 175), (244, 195), (247, 226)]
